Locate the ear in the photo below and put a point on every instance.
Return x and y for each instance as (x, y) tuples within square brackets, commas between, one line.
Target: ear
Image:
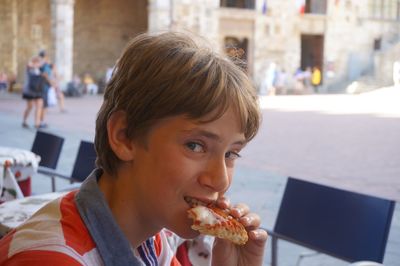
[(121, 145)]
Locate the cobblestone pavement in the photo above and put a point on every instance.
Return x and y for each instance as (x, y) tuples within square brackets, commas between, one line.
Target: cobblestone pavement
[(346, 141)]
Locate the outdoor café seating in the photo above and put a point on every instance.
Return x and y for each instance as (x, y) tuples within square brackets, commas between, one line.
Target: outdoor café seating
[(17, 166), (84, 164), (48, 146), (15, 212), (349, 226), (18, 209)]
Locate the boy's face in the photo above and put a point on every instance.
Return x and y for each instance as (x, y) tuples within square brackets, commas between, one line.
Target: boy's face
[(184, 158)]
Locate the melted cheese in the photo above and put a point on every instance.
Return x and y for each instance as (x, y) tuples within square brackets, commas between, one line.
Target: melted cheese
[(205, 215)]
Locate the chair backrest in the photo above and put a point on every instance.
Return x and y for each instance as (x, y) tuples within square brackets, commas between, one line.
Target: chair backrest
[(48, 147), (343, 224), (85, 161)]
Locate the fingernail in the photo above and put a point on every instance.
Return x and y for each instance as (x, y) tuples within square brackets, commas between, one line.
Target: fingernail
[(245, 220)]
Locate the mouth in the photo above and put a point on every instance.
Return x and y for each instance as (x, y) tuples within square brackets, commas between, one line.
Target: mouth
[(193, 202)]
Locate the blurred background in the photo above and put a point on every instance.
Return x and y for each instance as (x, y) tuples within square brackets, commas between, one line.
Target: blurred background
[(347, 40)]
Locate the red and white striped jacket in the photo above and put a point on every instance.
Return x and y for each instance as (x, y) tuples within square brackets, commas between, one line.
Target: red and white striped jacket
[(57, 235)]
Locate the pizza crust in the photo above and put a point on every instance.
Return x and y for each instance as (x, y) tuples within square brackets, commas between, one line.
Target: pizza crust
[(214, 221)]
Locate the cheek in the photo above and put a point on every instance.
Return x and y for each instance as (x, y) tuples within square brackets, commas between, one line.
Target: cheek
[(180, 171), (174, 168)]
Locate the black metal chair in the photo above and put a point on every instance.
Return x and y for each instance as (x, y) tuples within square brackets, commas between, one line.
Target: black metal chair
[(85, 161), (84, 164), (343, 224), (48, 146)]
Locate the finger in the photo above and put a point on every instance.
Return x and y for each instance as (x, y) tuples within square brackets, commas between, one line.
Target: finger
[(251, 221), (240, 210), (223, 202), (258, 235)]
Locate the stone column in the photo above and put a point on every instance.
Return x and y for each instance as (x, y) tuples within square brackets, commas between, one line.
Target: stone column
[(14, 39), (62, 15)]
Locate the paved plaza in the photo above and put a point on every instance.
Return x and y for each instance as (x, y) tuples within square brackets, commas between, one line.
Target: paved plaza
[(346, 141)]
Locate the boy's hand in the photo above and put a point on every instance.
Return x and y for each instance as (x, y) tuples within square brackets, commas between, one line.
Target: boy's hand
[(252, 253)]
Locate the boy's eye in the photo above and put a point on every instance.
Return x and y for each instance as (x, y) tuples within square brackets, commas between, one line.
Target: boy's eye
[(232, 155), (194, 146)]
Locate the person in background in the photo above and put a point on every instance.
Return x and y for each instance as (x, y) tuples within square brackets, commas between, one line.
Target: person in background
[(3, 82), (32, 91), (75, 87), (46, 71), (396, 74), (316, 79), (172, 124), (281, 82), (57, 88), (90, 86), (299, 87), (267, 85), (307, 75)]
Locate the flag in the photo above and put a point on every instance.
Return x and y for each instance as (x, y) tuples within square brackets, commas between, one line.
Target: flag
[(301, 6), (264, 7)]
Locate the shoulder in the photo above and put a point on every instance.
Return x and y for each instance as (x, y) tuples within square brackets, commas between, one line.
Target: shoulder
[(45, 67), (56, 229)]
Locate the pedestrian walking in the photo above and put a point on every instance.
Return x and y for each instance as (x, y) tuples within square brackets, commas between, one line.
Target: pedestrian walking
[(46, 72), (33, 91)]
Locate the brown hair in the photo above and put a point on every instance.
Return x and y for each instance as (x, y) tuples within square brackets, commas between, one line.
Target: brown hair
[(168, 74)]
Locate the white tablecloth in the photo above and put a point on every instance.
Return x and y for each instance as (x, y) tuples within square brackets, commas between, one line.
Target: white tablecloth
[(15, 212), (15, 165)]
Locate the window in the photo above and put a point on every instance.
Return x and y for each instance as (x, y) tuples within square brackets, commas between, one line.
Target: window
[(315, 6), (377, 44), (384, 9), (247, 4)]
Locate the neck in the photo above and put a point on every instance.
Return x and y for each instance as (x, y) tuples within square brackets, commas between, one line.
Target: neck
[(127, 211)]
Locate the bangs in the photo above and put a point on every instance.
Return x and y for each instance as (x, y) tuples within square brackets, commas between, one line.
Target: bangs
[(222, 90)]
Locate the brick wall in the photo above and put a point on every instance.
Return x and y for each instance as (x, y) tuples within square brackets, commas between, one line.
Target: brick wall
[(25, 28), (102, 28)]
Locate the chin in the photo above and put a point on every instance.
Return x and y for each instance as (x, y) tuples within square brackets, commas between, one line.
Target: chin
[(189, 234), (185, 231)]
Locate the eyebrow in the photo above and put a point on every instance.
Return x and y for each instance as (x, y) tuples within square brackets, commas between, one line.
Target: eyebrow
[(212, 136)]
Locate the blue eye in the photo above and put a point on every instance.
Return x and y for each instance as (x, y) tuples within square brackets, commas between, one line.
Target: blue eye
[(194, 146), (232, 155)]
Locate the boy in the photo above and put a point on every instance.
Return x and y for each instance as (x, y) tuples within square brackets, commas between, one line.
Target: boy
[(174, 119)]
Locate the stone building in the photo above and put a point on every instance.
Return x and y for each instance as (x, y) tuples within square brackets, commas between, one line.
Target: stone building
[(81, 36), (346, 39)]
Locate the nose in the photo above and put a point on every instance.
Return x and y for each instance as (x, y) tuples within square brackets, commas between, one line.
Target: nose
[(216, 177)]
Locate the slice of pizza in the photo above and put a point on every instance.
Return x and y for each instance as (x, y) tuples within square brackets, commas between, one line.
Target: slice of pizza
[(211, 220)]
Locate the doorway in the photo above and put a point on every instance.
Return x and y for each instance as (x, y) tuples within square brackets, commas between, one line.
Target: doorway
[(312, 51)]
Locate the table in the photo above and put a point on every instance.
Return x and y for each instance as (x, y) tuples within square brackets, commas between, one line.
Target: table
[(15, 212), (16, 168)]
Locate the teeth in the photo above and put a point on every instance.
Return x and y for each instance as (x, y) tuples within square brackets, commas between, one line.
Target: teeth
[(194, 202)]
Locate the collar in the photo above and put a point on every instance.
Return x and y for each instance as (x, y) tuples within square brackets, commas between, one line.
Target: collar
[(114, 248)]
